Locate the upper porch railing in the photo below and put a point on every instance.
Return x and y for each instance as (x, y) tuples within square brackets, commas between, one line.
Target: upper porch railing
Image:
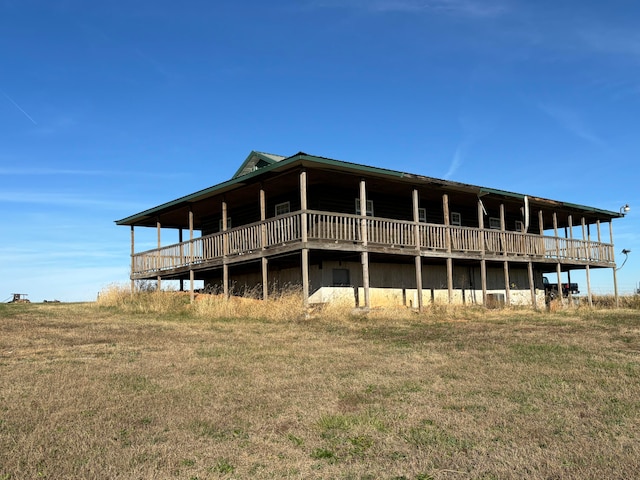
[(326, 227)]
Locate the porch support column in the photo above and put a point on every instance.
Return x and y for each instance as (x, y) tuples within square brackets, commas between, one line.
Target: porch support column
[(570, 253), (418, 258), (532, 286), (133, 241), (558, 267), (542, 251), (445, 211), (225, 252), (158, 257), (507, 287), (305, 249), (541, 223), (615, 275), (363, 236), (181, 256), (587, 239), (192, 295), (263, 243), (483, 262)]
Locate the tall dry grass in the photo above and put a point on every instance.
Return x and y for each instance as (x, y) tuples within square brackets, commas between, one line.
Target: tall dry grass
[(609, 301), (142, 301), (284, 304)]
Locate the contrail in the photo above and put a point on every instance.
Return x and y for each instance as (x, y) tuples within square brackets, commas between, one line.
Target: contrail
[(19, 107)]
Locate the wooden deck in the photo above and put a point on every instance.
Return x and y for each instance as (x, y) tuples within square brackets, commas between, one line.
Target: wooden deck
[(331, 231)]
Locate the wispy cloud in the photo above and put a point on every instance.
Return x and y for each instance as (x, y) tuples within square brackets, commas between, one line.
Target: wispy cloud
[(154, 64), (38, 171), (47, 253), (15, 104), (470, 8), (65, 200), (57, 171), (456, 161), (573, 122), (608, 40), (474, 128)]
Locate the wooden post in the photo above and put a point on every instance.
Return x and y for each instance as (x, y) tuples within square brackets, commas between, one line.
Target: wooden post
[(615, 275), (225, 252), (133, 283), (263, 243), (447, 223), (558, 266), (532, 286), (181, 256), (507, 287), (305, 249), (588, 258), (541, 222), (363, 236), (599, 241), (483, 262), (540, 241), (418, 258), (570, 220), (192, 294), (570, 253), (158, 258)]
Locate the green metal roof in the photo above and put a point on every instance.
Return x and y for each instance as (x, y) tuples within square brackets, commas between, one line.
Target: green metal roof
[(273, 162), (253, 161)]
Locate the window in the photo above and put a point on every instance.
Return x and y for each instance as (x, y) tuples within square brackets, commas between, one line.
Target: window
[(519, 226), (228, 224), (494, 223), (422, 215), (283, 208), (369, 207), (341, 277), (456, 219)]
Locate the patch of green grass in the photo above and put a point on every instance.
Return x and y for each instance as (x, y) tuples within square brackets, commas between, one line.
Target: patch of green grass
[(618, 411), (298, 442), (360, 444), (223, 466), (430, 436), (209, 352), (549, 353), (323, 454), (131, 382), (333, 423)]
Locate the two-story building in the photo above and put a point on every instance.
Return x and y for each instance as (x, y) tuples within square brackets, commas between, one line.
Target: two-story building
[(370, 235)]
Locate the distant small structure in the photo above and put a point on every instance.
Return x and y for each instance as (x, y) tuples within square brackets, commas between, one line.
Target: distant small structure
[(19, 298)]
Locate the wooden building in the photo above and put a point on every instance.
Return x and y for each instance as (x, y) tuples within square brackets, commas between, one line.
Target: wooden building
[(370, 235)]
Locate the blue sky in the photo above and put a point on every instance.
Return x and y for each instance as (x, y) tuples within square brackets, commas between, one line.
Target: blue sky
[(109, 108)]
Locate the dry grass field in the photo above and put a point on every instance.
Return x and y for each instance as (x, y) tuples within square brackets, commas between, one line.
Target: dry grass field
[(158, 389)]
